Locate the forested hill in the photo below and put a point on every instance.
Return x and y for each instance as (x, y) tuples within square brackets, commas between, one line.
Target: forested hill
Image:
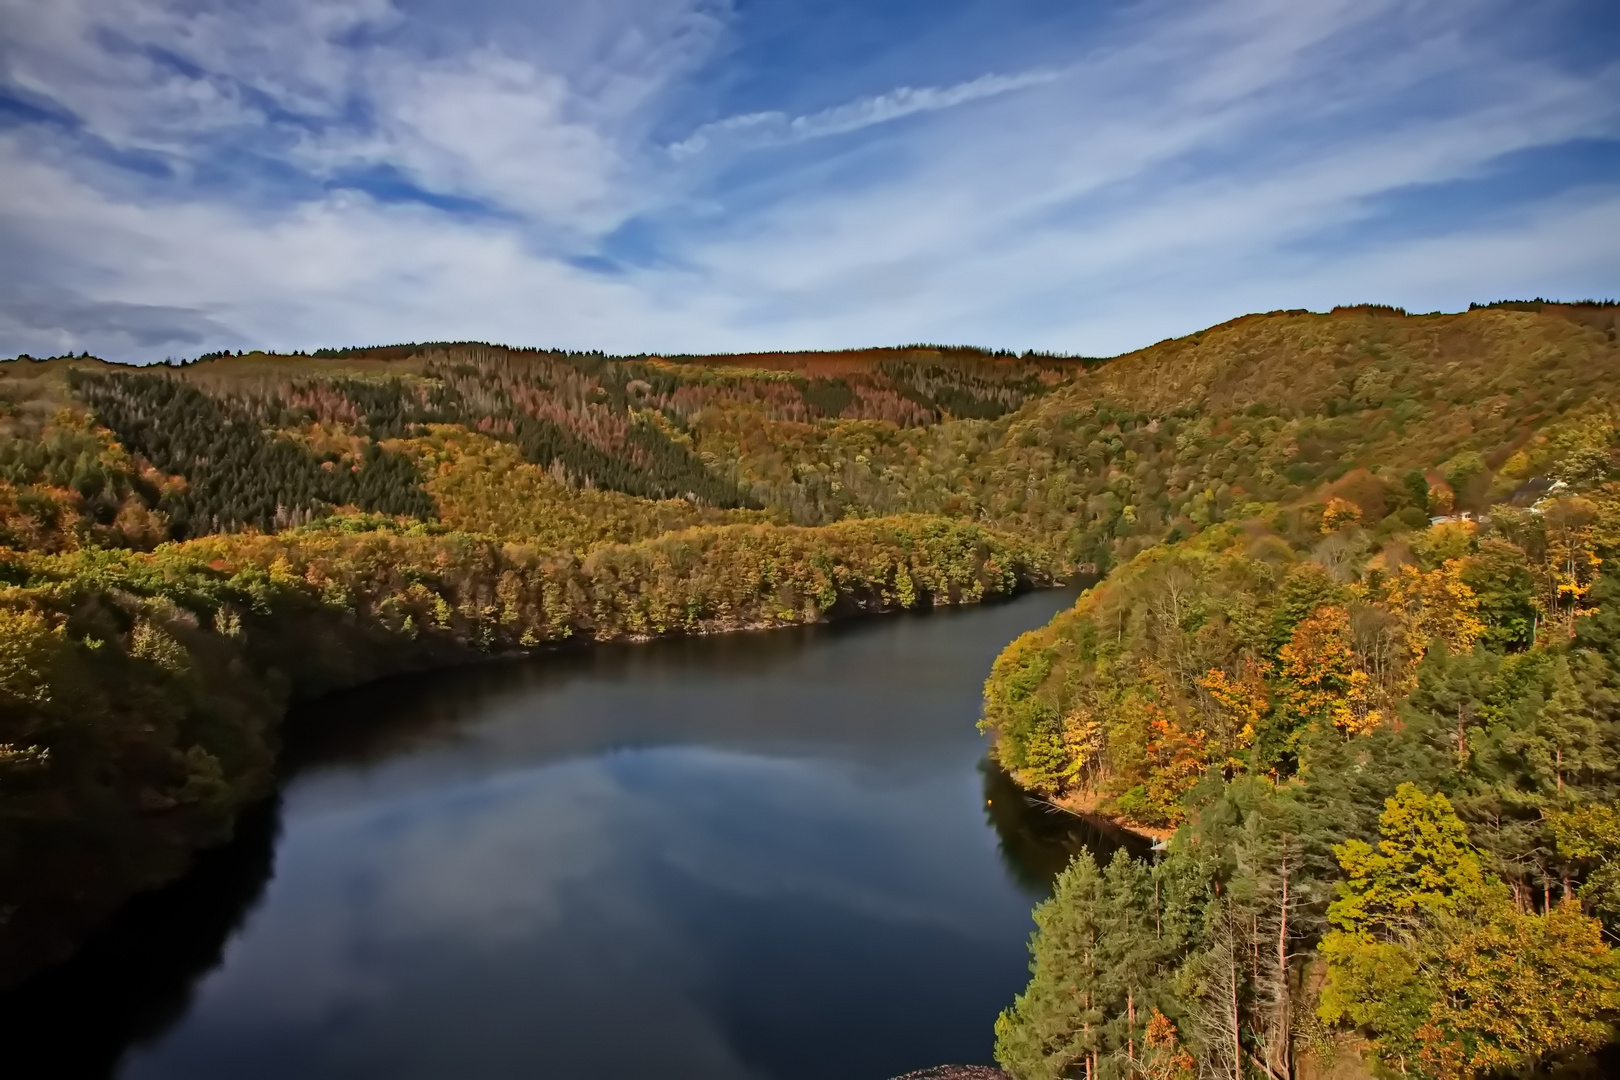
[(1100, 460), (1371, 703), (182, 548)]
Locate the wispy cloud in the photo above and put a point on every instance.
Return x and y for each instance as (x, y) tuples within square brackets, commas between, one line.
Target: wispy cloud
[(765, 128)]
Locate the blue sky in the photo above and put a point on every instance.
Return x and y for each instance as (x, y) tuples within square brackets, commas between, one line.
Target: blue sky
[(697, 175)]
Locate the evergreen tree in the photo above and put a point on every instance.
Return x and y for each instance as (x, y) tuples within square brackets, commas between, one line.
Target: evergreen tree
[(1103, 961), (1587, 841), (1058, 1022)]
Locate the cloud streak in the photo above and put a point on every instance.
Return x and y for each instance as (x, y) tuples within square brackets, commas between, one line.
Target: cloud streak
[(774, 127)]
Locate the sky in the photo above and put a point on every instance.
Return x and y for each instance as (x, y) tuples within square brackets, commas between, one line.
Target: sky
[(1085, 176)]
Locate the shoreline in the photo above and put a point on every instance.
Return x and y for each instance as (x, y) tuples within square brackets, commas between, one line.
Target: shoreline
[(1085, 806)]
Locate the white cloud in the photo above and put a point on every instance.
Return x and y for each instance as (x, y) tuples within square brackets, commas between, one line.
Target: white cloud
[(489, 127), (154, 75), (1560, 249), (1042, 207), (341, 268), (329, 86)]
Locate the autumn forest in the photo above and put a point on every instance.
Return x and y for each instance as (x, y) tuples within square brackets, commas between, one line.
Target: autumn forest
[(1349, 650)]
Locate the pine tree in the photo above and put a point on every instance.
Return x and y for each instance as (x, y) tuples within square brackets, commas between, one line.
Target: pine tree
[(1563, 747), (1222, 987), (1587, 841), (1103, 960), (1131, 956), (1056, 1024)]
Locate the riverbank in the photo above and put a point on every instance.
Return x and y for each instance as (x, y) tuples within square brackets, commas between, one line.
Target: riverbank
[(1086, 805)]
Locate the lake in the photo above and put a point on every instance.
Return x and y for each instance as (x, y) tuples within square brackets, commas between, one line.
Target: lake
[(777, 856)]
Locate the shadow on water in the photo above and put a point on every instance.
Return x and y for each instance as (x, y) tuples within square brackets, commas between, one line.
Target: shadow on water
[(406, 713), (135, 977), (395, 716), (1037, 839)]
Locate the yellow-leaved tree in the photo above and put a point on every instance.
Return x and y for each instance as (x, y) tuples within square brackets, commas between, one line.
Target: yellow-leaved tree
[(1432, 960), (1436, 605)]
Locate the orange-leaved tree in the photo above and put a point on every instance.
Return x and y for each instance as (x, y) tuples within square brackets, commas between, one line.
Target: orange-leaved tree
[(1321, 679)]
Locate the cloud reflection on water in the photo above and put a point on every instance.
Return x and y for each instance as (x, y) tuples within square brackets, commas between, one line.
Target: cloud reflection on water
[(530, 908), (712, 859)]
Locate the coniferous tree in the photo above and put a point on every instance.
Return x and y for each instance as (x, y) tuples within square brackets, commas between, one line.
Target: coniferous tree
[(1058, 1022), (1103, 959)]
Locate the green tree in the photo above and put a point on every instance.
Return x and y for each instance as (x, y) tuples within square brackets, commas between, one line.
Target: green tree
[(1058, 1021), (1564, 746), (1500, 577), (1244, 964), (1422, 867), (1102, 957), (1587, 838)]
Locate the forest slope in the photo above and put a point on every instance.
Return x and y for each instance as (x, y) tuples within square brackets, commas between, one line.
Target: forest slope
[(1374, 702)]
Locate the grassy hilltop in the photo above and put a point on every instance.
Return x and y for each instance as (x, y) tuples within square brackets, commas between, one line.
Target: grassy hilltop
[(1281, 640)]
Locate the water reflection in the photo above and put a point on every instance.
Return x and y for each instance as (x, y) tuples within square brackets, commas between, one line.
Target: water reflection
[(135, 979), (757, 856), (1037, 839)]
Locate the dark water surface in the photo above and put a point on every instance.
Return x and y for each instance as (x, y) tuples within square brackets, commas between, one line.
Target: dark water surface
[(765, 856)]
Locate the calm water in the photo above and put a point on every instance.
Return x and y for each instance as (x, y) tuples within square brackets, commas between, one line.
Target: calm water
[(759, 856)]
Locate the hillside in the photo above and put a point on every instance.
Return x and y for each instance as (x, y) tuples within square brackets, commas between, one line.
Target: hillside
[(1100, 460), (1328, 441), (1280, 640), (1371, 703)]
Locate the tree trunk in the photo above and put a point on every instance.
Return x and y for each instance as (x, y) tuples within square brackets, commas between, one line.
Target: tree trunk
[(1236, 1021), (1284, 1062), (1218, 1018), (1130, 1019)]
